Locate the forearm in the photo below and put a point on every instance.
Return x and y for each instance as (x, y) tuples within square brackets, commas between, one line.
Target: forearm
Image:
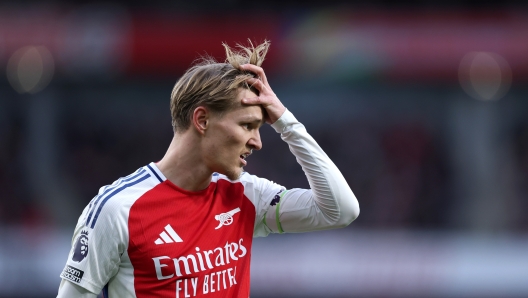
[(330, 203)]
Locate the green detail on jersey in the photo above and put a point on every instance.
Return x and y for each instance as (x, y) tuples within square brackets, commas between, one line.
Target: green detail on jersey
[(264, 219), (279, 226)]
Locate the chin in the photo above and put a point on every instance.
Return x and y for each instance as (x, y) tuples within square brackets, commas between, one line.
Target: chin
[(234, 174)]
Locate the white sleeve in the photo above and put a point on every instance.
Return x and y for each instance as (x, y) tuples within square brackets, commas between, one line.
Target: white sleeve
[(70, 290), (329, 203), (97, 247)]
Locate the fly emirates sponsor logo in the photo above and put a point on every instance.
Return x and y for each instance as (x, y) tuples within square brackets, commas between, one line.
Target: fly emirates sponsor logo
[(202, 261)]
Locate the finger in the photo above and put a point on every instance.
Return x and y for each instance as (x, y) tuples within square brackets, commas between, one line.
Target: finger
[(257, 84), (259, 72), (256, 101), (256, 70), (265, 101)]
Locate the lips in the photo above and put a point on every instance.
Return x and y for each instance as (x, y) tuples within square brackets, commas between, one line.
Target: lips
[(242, 160), (243, 157)]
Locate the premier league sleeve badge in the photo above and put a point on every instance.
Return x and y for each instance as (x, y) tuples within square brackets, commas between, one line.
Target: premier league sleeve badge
[(81, 247)]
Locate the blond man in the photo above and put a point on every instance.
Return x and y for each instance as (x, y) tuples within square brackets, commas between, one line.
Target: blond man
[(183, 227)]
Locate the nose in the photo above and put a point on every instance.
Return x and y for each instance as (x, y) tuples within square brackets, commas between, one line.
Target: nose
[(255, 142)]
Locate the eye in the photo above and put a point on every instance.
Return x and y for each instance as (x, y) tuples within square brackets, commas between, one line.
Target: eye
[(246, 126)]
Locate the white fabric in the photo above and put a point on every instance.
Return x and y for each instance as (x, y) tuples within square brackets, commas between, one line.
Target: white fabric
[(330, 203), (71, 290), (108, 239)]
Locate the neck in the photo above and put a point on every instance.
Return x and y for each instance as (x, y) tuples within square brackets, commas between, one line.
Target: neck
[(183, 165)]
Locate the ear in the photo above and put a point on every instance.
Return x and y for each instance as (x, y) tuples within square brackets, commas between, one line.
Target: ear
[(200, 119)]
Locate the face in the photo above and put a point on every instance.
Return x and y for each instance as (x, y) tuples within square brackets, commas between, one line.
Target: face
[(231, 137)]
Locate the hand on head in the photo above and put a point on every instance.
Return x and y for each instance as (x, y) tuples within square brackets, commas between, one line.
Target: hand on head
[(267, 98)]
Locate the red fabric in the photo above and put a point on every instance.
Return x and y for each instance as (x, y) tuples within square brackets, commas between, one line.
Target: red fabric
[(192, 216)]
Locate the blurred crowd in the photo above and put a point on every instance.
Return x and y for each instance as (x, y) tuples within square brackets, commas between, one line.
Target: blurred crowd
[(400, 169), (403, 144)]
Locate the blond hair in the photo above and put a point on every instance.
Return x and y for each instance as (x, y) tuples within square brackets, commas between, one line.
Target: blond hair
[(213, 84)]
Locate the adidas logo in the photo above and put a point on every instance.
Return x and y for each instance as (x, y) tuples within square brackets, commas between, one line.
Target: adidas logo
[(171, 237)]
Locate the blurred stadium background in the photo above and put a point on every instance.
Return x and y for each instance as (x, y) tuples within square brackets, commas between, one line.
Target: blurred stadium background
[(422, 105)]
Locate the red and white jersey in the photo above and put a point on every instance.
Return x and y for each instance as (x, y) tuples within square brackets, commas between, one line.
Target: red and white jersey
[(143, 236)]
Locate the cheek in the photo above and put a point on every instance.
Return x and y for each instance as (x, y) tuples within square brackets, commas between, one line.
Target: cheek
[(225, 142), (230, 146), (229, 140), (221, 148)]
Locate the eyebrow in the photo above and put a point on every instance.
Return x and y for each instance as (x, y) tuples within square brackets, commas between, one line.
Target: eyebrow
[(255, 120)]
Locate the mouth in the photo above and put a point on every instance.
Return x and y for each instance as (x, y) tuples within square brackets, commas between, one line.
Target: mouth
[(243, 157)]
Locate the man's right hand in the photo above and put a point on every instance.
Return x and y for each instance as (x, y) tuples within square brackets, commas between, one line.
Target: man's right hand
[(267, 98)]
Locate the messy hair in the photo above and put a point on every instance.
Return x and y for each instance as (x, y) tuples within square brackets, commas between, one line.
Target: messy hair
[(213, 84)]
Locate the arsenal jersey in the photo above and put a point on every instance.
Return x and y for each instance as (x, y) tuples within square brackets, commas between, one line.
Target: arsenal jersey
[(143, 236)]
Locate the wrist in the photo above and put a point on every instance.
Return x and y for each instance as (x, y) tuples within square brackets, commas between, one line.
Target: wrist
[(273, 117), (286, 119)]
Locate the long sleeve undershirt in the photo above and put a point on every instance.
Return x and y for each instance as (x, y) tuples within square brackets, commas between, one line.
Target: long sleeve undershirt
[(328, 204)]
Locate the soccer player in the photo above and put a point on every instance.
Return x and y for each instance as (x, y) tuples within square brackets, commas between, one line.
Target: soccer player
[(183, 227)]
